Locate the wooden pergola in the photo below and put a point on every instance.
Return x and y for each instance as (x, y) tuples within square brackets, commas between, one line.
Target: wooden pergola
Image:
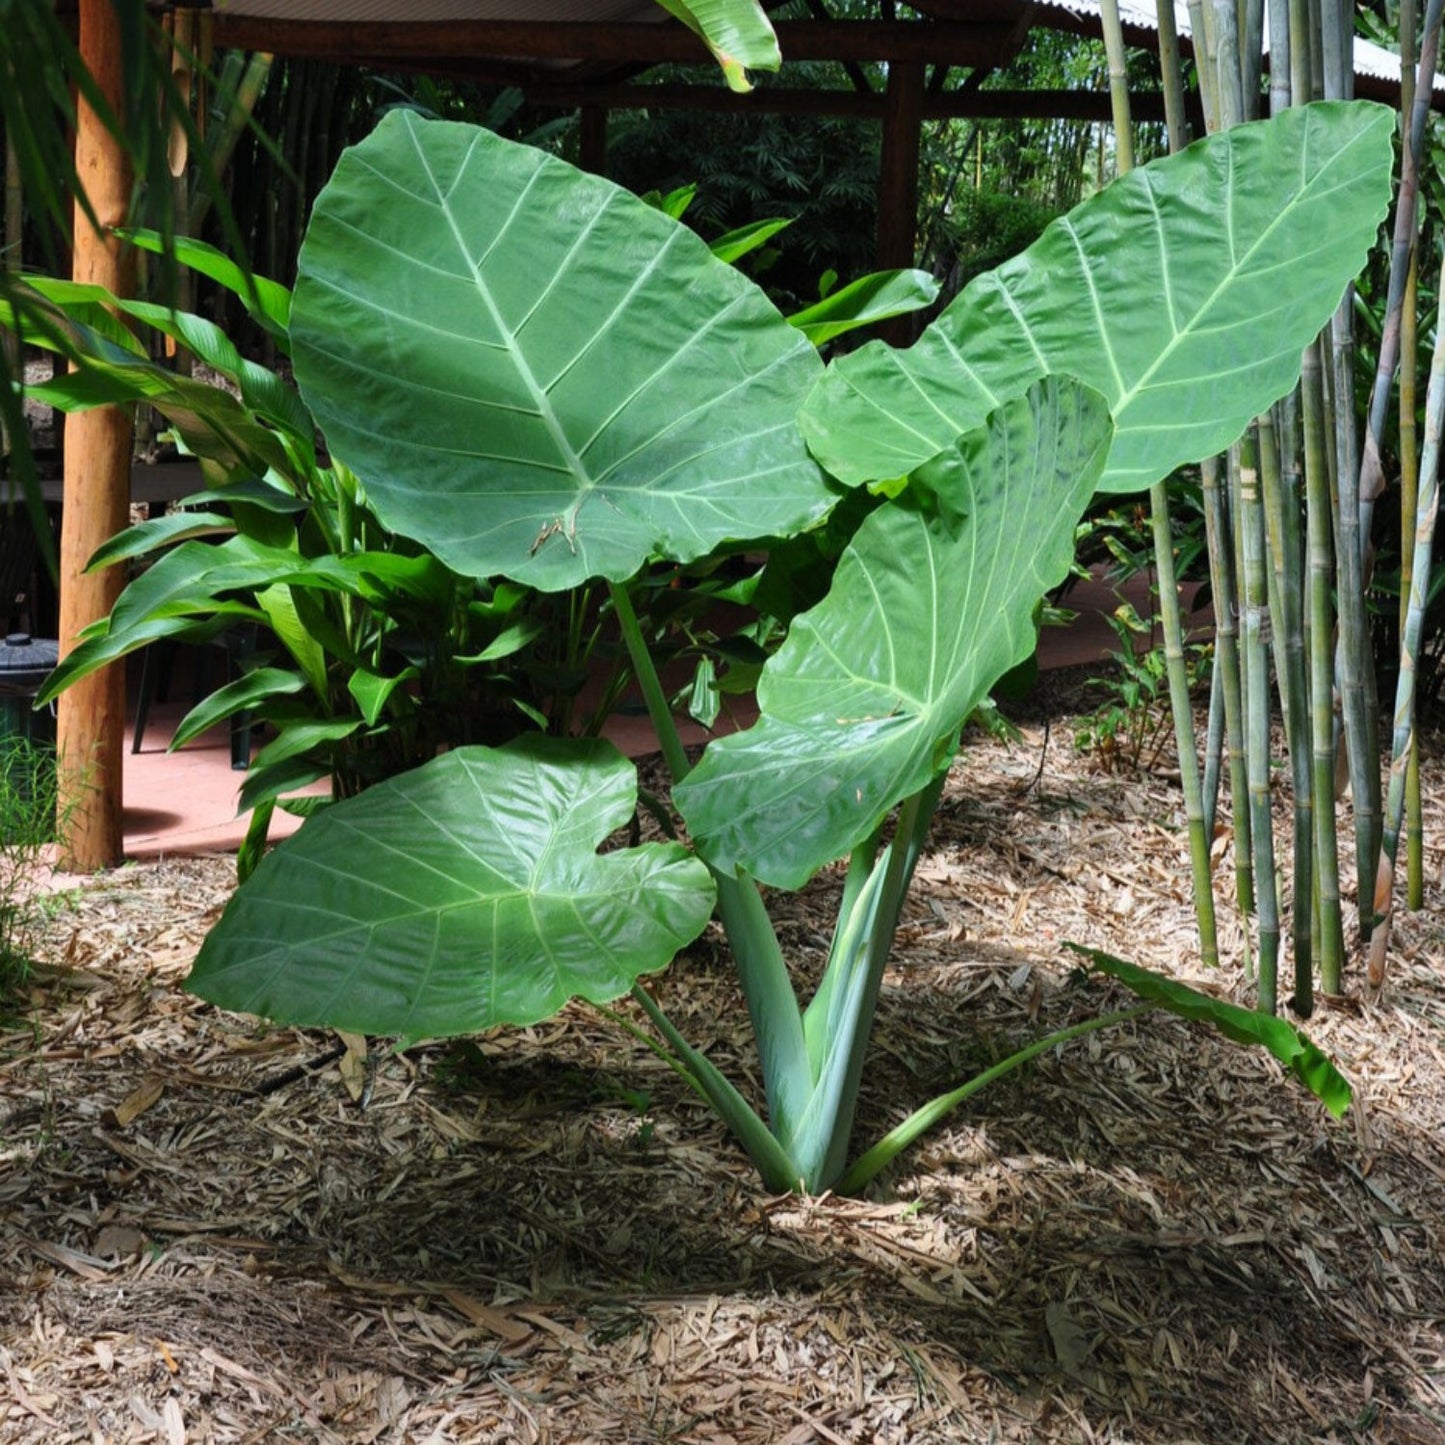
[(586, 55)]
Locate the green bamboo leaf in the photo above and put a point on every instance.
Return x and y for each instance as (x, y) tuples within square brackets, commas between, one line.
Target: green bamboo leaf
[(732, 246), (1183, 293), (1243, 1025), (864, 301), (245, 692), (534, 373), (465, 894), (372, 690), (268, 302), (932, 601)]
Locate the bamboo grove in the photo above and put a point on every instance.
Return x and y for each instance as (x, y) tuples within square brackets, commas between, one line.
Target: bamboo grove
[(1289, 514)]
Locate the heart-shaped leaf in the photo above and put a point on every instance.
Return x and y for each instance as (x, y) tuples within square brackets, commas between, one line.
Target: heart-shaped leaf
[(1183, 293), (462, 895), (534, 373), (932, 601)]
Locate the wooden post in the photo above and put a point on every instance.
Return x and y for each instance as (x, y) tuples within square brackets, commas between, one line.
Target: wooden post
[(898, 182), (91, 720), (14, 256), (592, 140)]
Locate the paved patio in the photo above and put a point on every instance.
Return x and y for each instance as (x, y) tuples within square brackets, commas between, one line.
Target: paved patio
[(185, 802)]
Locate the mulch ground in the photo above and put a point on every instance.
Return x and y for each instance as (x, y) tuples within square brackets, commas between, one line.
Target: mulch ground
[(214, 1231)]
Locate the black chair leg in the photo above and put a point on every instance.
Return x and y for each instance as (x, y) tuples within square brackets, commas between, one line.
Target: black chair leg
[(241, 742), (155, 682)]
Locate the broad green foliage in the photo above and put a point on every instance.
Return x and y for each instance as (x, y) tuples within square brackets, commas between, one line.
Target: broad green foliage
[(468, 894), (931, 604), (369, 653), (1184, 293), (540, 378), (476, 338)]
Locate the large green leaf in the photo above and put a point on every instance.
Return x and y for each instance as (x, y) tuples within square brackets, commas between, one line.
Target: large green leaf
[(466, 894), (1184, 293), (932, 601), (534, 373)]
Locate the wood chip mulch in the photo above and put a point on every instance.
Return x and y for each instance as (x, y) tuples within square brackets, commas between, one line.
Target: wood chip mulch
[(213, 1231)]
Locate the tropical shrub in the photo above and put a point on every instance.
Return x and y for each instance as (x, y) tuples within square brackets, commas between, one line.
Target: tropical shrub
[(540, 379), (374, 655), (379, 655)]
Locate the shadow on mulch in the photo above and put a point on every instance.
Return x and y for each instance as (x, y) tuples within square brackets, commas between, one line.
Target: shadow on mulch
[(540, 1235)]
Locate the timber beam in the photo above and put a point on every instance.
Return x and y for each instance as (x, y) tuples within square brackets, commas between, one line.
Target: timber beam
[(416, 43)]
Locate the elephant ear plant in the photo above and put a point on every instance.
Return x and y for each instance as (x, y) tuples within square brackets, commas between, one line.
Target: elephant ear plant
[(541, 378)]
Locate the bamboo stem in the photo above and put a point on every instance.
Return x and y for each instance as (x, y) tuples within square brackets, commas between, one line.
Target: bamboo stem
[(222, 144), (1170, 619), (1410, 476), (1279, 58), (1372, 474), (1213, 746), (1255, 624), (1409, 505), (1223, 583), (1204, 61), (1317, 512), (1118, 86), (1300, 48), (1354, 664), (1172, 77), (1282, 510), (1172, 625), (1404, 743)]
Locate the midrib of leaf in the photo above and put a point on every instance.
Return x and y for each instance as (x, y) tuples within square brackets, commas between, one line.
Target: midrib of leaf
[(545, 409), (1237, 265)]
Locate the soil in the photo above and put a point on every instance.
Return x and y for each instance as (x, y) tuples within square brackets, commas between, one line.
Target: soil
[(217, 1231)]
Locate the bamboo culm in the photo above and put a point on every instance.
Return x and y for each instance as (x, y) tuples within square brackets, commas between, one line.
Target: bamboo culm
[(1219, 536), (1404, 740), (1170, 619), (1282, 511), (1253, 636), (1321, 580)]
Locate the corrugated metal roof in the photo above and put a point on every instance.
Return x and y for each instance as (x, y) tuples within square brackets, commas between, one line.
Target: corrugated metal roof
[(1371, 60)]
